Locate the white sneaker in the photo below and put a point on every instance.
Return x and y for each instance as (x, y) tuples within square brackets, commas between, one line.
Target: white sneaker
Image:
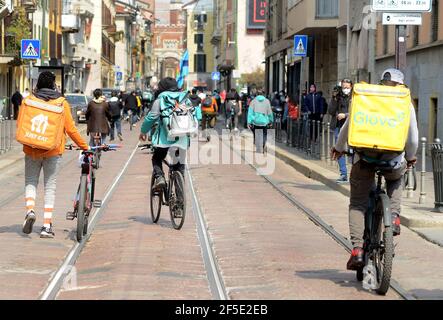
[(29, 222)]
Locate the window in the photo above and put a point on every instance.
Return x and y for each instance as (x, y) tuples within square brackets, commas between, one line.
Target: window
[(385, 39), (200, 63), (326, 9), (198, 40), (416, 104), (434, 21), (416, 39)]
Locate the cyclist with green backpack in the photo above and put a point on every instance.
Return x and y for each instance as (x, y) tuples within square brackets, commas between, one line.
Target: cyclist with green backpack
[(366, 160), (170, 134)]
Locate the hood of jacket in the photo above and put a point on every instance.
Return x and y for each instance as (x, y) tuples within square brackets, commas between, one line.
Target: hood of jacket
[(193, 96), (99, 100), (260, 98), (113, 99), (47, 94)]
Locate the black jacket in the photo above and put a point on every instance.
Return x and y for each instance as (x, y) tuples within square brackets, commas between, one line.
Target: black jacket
[(314, 104), (195, 99), (115, 107), (131, 102), (339, 105), (17, 99)]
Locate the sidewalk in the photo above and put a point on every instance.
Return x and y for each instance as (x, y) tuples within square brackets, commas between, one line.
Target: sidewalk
[(418, 217)]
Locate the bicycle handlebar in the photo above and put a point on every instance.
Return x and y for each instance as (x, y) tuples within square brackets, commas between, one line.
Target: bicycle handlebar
[(105, 147)]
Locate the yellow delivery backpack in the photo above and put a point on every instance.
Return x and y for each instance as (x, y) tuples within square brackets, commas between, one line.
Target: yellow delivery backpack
[(40, 123), (380, 117)]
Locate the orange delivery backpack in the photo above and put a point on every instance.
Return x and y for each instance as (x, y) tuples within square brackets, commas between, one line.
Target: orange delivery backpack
[(40, 123)]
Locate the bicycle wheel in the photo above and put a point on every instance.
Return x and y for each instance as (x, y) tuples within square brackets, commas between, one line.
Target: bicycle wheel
[(81, 210), (177, 200), (384, 255), (156, 202)]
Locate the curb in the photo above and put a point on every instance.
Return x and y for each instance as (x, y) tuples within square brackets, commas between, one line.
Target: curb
[(408, 218)]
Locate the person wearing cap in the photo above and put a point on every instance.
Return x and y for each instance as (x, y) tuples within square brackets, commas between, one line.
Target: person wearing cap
[(362, 176), (162, 145)]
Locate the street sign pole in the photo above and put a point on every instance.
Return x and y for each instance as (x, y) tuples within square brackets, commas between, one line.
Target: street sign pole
[(400, 47)]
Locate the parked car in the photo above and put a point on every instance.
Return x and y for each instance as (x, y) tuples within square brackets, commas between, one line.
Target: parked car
[(79, 105)]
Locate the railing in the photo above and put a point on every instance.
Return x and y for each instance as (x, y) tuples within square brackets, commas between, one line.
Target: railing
[(7, 126)]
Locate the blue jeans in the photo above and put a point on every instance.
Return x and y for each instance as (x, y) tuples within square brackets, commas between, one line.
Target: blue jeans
[(92, 142), (116, 124), (342, 159)]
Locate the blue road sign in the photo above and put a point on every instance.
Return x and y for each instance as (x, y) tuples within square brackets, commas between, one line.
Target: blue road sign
[(215, 76), (300, 46), (119, 76), (30, 49)]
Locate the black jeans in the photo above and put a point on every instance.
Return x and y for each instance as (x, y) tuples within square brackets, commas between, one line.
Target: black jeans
[(265, 133), (178, 157)]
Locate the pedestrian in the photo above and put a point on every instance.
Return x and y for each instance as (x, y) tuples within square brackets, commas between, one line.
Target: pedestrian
[(48, 160), (339, 110), (314, 107), (97, 116), (115, 108), (132, 105), (233, 101), (16, 101), (260, 116)]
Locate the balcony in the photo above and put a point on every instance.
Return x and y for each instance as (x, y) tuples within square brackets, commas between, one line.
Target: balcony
[(29, 5), (70, 23), (5, 8), (84, 8), (82, 52)]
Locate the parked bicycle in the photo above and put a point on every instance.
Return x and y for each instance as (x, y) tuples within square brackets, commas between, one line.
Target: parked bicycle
[(85, 198), (172, 196), (378, 240)]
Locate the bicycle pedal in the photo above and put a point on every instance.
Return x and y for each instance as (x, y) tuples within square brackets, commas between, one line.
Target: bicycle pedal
[(70, 216), (98, 203)]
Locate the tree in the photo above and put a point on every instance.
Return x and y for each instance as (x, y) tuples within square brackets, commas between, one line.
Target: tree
[(19, 29), (255, 78)]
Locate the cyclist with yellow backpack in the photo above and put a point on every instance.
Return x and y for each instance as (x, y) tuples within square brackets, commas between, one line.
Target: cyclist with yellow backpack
[(43, 120), (382, 129)]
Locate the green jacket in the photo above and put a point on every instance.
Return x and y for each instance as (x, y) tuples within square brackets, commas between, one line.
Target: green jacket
[(153, 124), (260, 112)]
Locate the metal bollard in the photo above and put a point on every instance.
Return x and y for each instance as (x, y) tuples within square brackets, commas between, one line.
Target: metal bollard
[(2, 135), (308, 136), (328, 143), (317, 140), (423, 171), (410, 187)]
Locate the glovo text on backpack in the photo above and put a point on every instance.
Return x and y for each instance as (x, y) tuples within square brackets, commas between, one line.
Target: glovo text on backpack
[(40, 124), (380, 118)]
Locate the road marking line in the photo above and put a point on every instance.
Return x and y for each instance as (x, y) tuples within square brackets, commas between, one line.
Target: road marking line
[(55, 283)]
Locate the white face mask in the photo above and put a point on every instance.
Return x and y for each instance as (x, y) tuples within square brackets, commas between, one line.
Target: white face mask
[(346, 91)]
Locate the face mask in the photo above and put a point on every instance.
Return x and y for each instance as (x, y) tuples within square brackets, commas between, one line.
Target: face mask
[(346, 91)]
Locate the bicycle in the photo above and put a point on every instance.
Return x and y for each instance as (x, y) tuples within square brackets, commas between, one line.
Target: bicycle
[(85, 197), (97, 153), (172, 196), (208, 118), (378, 240)]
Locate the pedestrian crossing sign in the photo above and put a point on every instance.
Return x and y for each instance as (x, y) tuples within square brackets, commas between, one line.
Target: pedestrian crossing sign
[(300, 46), (30, 49)]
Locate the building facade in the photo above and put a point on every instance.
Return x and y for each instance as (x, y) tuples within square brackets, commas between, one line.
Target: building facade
[(238, 39), (199, 22), (169, 41)]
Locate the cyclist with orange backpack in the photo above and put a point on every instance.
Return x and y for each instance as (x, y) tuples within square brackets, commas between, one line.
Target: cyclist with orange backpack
[(44, 118)]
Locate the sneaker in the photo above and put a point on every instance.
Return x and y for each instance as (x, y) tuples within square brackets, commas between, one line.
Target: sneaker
[(120, 137), (396, 224), (47, 232), (236, 130), (227, 126), (112, 139), (29, 222), (134, 125), (342, 179), (160, 184), (356, 261)]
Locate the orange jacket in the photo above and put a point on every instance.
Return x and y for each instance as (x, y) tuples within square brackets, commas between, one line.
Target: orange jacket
[(212, 109), (70, 130)]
